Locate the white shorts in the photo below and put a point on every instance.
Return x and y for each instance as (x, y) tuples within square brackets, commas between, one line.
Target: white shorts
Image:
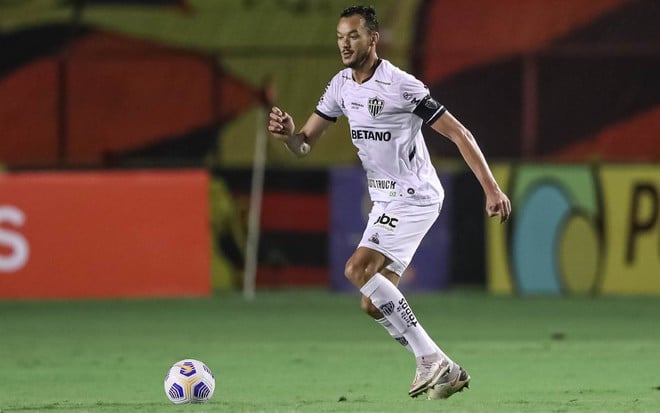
[(395, 229)]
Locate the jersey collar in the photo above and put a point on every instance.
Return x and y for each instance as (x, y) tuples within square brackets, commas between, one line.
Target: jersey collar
[(378, 62)]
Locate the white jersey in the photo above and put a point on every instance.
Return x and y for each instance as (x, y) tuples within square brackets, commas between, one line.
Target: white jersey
[(385, 114)]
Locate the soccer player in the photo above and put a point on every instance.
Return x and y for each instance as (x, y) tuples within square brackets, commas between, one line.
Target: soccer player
[(386, 107)]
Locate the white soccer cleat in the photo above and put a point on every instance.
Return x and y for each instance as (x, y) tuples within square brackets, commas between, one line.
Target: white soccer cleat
[(429, 371), (455, 380)]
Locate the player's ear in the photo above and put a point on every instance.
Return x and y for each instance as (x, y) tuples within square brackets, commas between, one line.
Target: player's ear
[(375, 36)]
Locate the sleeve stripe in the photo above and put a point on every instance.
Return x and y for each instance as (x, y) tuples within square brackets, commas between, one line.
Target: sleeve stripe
[(324, 116), (436, 115), (412, 153)]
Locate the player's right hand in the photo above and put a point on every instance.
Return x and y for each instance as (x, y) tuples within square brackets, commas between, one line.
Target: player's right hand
[(280, 124)]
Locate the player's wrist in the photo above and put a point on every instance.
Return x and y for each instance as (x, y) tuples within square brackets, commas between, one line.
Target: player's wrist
[(297, 144)]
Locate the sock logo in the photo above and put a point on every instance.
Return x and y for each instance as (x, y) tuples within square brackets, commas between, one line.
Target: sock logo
[(406, 313), (402, 341), (387, 308)]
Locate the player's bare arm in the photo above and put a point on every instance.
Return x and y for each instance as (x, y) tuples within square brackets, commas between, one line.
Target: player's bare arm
[(282, 127), (497, 203)]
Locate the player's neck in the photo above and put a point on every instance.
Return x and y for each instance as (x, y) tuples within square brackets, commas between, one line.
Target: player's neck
[(366, 70)]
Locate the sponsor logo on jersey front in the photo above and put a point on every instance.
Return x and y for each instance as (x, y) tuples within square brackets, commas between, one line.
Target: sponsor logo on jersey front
[(383, 136), (375, 106)]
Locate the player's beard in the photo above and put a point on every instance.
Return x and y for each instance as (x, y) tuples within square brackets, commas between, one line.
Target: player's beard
[(359, 58)]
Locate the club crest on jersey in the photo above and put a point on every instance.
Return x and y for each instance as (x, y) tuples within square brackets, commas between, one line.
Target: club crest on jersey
[(375, 106)]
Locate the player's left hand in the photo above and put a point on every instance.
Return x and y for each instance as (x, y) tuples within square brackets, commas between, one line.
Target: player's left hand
[(498, 204)]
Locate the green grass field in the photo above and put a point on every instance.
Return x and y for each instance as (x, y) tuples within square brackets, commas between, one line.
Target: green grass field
[(303, 351)]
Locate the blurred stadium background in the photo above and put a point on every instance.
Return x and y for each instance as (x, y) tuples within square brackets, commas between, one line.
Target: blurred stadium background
[(132, 132)]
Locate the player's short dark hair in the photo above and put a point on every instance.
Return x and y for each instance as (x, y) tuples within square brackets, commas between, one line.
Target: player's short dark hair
[(368, 13)]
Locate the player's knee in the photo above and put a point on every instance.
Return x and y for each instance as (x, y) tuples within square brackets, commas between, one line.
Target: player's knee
[(356, 273)]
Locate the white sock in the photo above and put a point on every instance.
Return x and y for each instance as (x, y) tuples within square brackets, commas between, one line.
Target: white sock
[(394, 332), (394, 307)]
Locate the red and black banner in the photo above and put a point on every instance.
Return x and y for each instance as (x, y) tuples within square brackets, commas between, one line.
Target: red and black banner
[(558, 80), (96, 98), (295, 215)]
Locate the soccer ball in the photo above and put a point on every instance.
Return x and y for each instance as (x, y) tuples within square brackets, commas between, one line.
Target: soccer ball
[(189, 381)]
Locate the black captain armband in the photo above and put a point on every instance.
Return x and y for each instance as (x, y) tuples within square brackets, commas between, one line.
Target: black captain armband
[(429, 110)]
